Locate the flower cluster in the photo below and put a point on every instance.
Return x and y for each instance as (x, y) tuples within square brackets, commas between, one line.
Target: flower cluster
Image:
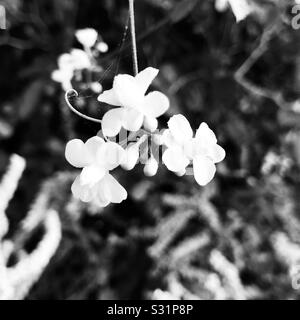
[(134, 109), (77, 60)]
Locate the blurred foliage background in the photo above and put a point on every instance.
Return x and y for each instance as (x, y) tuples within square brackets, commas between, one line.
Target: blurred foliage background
[(237, 238)]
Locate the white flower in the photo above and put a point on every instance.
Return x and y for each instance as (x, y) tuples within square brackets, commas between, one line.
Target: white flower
[(240, 8), (96, 158), (136, 108), (80, 59), (87, 37), (67, 64), (182, 148)]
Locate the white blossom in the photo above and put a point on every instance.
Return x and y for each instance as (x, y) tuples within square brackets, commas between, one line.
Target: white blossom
[(182, 149), (240, 8), (87, 37), (67, 64), (135, 107), (96, 158)]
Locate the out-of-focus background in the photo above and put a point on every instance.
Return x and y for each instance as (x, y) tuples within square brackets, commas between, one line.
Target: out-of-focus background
[(237, 238)]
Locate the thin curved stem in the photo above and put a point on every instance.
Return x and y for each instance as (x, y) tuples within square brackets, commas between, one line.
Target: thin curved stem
[(133, 37), (76, 111)]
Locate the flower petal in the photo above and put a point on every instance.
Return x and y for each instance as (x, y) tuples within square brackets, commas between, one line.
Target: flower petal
[(131, 157), (174, 159), (132, 119), (87, 37), (109, 97), (216, 153), (167, 139), (204, 170), (80, 59), (91, 175), (205, 135), (151, 167), (110, 155), (83, 193), (112, 122), (101, 194), (155, 104), (77, 154), (150, 123), (117, 192), (93, 145), (145, 78), (240, 8), (180, 128), (128, 91)]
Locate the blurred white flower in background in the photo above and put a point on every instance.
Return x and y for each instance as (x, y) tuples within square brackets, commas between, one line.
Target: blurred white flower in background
[(87, 37), (96, 158), (102, 47), (240, 8), (182, 148), (136, 108), (68, 63)]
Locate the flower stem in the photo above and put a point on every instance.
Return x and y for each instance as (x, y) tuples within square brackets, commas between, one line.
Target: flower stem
[(75, 93), (133, 37)]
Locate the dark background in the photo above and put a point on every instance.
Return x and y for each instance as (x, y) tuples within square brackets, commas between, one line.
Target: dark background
[(161, 241)]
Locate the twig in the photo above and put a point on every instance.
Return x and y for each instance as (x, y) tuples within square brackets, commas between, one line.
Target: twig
[(252, 59)]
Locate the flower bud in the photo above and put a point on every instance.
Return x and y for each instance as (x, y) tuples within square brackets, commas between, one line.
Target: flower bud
[(150, 124), (131, 157), (151, 167)]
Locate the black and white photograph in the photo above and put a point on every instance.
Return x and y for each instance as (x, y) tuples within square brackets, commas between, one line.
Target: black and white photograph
[(150, 150)]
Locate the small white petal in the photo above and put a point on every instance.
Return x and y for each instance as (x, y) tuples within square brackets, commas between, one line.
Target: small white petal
[(77, 154), (204, 170), (155, 104), (205, 135), (145, 78), (87, 37), (150, 123), (93, 145), (174, 159), (127, 91), (112, 122), (66, 62), (102, 47), (80, 59), (96, 87), (167, 139), (151, 167), (221, 5), (83, 193), (216, 153), (110, 155), (90, 175), (180, 128), (109, 97), (240, 8), (116, 190), (181, 173), (131, 157), (132, 119)]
